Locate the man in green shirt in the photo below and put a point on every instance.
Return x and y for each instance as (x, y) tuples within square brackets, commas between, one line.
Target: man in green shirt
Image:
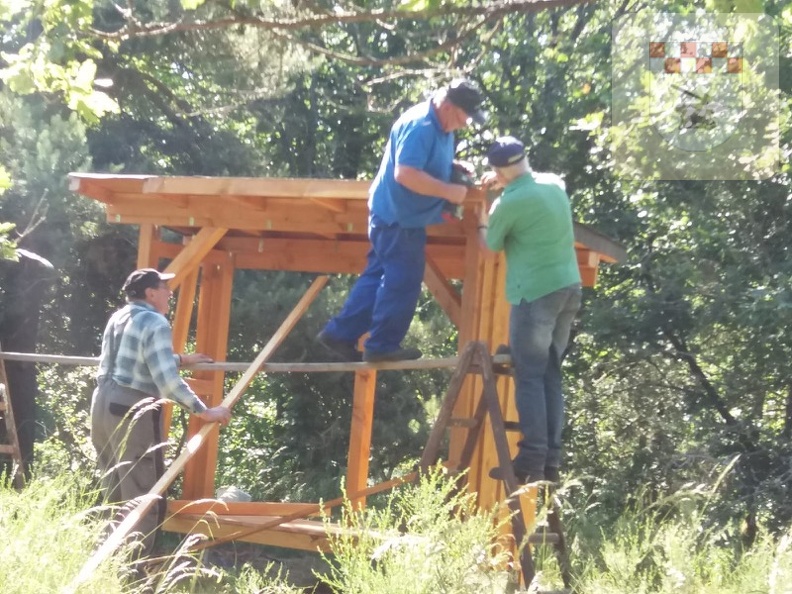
[(531, 222)]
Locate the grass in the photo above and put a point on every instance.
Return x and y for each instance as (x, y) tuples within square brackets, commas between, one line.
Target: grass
[(424, 539)]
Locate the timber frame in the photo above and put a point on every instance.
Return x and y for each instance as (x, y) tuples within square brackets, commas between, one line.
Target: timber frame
[(317, 226)]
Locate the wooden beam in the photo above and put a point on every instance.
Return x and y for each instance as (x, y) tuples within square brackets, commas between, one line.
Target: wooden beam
[(338, 256), (335, 205), (189, 258), (147, 253), (202, 387), (214, 311), (236, 508), (360, 434), (236, 218), (609, 250), (444, 292), (279, 536), (310, 509), (184, 310), (258, 186), (133, 517), (89, 188), (588, 276)]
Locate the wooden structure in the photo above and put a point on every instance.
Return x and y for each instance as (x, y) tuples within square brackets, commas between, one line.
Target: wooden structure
[(308, 226)]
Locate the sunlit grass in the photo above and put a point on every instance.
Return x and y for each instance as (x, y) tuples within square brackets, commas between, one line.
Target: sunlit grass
[(425, 538)]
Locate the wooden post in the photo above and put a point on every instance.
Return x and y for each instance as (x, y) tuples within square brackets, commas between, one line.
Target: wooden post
[(194, 444), (360, 434), (214, 313), (181, 329), (147, 254)]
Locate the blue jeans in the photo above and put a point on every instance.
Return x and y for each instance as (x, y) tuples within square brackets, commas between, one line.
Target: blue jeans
[(384, 298), (538, 336)]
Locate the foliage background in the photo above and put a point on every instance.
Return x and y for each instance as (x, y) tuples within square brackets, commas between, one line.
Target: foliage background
[(680, 358)]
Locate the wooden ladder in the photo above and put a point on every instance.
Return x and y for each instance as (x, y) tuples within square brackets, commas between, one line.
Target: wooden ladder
[(6, 412), (475, 358)]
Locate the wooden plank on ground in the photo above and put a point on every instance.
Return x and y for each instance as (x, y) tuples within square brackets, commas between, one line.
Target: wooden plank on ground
[(192, 446)]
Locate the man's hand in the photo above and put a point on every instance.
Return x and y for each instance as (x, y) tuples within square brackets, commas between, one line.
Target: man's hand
[(491, 181), (217, 414), (455, 193), (195, 359)]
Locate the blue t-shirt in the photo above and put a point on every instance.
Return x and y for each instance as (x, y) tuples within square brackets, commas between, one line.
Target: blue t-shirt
[(416, 140)]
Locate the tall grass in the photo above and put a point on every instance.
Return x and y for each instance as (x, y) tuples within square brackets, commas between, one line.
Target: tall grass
[(667, 547), (427, 539), (52, 527), (424, 539), (47, 536)]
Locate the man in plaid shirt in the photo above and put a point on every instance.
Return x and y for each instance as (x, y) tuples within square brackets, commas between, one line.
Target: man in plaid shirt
[(137, 368)]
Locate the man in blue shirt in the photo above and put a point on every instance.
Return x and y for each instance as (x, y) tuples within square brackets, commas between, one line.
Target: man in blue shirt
[(137, 367), (409, 192)]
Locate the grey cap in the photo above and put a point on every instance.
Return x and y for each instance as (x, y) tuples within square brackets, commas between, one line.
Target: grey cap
[(144, 278)]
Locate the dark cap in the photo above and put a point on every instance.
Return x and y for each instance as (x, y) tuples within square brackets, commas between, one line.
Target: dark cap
[(142, 279), (467, 96), (505, 151)]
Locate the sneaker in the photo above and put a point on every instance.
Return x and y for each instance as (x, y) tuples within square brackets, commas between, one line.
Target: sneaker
[(397, 355), (339, 349), (523, 477)]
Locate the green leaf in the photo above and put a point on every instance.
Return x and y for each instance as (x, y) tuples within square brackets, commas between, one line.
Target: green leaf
[(191, 4), (5, 180)]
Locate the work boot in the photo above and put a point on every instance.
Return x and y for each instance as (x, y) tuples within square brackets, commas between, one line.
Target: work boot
[(341, 350), (397, 355), (551, 474), (524, 477)]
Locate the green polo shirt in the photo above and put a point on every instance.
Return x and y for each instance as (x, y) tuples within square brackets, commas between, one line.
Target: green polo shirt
[(532, 222)]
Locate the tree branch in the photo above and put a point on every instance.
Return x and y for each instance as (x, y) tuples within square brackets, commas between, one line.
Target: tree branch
[(318, 21)]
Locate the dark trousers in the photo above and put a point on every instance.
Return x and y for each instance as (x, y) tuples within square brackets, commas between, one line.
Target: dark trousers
[(538, 334), (129, 451), (384, 298)]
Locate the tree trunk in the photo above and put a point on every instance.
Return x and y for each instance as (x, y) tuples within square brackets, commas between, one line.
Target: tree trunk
[(25, 283)]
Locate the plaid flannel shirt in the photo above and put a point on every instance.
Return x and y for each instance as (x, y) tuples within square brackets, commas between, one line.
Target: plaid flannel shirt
[(145, 361)]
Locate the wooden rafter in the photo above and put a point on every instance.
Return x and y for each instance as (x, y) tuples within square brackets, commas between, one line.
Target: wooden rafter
[(444, 292), (190, 257)]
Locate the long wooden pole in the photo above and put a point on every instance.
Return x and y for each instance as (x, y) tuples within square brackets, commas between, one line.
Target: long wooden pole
[(192, 446), (234, 366)]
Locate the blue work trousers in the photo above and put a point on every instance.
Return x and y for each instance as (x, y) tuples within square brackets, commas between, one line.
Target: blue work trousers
[(538, 335), (384, 298)]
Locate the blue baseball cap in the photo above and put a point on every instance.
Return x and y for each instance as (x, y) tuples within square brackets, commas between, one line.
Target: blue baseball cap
[(505, 151)]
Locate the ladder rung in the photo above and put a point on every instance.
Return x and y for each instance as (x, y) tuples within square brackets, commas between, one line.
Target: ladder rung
[(511, 425), (542, 537), (7, 449), (2, 406)]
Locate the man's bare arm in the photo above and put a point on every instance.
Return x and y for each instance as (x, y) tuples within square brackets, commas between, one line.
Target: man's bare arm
[(422, 183)]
